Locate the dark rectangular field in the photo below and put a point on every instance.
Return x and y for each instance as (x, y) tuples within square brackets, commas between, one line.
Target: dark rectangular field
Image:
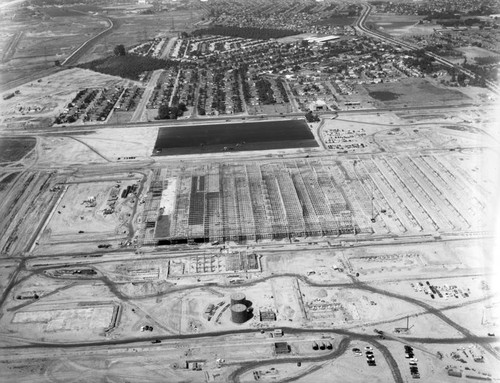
[(242, 136), (14, 148)]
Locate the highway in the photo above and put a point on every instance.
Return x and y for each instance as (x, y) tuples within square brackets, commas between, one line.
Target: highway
[(360, 25), (72, 129), (140, 111), (84, 48)]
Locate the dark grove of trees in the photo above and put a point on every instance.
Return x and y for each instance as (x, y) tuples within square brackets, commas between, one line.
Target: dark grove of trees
[(129, 66), (421, 61), (483, 71), (488, 60), (61, 2), (282, 90), (266, 94), (310, 117), (120, 50), (246, 32), (166, 112)]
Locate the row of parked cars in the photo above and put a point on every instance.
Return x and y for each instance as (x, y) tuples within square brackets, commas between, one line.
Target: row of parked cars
[(413, 362)]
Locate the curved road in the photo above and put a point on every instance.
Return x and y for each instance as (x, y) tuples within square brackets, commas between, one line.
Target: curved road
[(245, 367), (84, 48)]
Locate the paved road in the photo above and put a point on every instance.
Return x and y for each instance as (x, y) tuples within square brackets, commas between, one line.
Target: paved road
[(72, 129), (87, 45), (245, 367), (170, 44), (140, 112)]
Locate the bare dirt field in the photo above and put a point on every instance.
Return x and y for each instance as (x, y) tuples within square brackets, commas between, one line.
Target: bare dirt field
[(89, 212)]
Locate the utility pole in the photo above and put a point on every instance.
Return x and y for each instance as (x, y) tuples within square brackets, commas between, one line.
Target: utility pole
[(371, 188)]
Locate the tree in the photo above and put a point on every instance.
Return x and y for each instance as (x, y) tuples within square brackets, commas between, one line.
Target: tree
[(120, 50), (182, 107), (310, 117), (163, 112)]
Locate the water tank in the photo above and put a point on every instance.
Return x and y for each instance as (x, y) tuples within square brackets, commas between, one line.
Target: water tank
[(239, 313), (237, 299)]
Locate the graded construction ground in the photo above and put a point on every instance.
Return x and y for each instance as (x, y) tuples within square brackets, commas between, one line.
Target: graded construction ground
[(245, 136)]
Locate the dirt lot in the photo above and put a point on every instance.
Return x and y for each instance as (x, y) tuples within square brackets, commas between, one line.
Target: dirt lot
[(78, 220)]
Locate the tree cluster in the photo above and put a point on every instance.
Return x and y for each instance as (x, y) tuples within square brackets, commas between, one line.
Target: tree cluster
[(282, 90), (489, 60), (483, 71), (421, 61), (129, 66), (246, 32), (166, 112), (120, 50), (265, 92), (310, 117)]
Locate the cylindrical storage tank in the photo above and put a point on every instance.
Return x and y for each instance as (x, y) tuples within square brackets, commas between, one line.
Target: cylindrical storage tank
[(237, 299), (239, 313)]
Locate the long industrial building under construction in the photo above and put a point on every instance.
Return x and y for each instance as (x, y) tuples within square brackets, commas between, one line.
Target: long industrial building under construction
[(245, 202), (252, 201)]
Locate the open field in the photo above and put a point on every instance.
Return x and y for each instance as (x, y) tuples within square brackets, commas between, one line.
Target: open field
[(394, 24), (34, 49), (136, 28), (414, 92), (471, 52), (339, 21), (236, 136), (60, 31)]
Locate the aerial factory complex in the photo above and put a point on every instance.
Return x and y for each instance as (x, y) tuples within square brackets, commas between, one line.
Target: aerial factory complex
[(241, 191)]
